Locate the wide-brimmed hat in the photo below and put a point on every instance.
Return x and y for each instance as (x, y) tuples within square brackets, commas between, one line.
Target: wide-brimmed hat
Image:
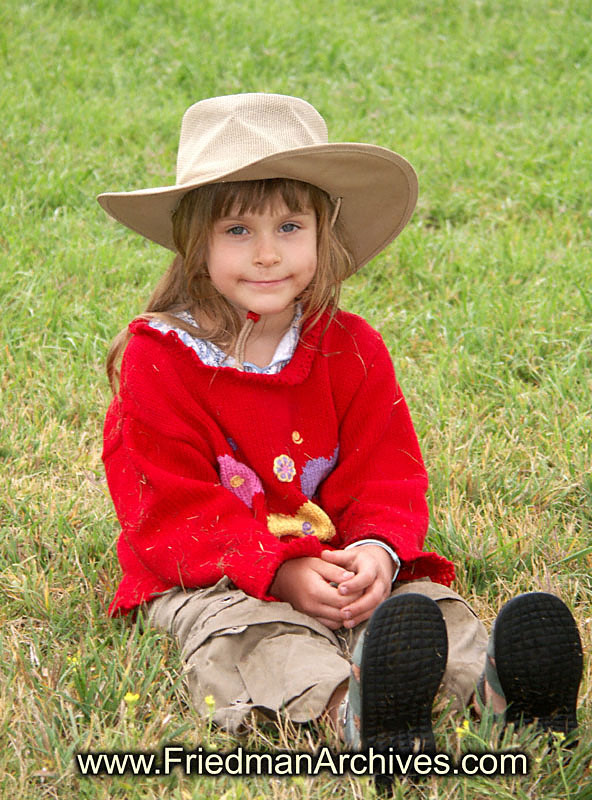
[(257, 136)]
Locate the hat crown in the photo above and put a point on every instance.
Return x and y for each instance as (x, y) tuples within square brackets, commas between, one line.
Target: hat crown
[(222, 134)]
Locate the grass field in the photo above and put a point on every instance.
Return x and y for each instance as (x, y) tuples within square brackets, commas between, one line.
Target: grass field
[(485, 302)]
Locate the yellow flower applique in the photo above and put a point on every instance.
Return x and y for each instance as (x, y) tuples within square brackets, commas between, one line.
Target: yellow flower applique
[(284, 468)]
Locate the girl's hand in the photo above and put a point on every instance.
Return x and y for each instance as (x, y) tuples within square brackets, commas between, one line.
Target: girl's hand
[(368, 587), (306, 583)]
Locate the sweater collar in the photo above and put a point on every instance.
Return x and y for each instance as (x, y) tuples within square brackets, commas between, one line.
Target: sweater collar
[(295, 371)]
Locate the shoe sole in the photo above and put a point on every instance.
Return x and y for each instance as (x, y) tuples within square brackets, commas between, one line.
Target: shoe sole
[(403, 661), (539, 661)]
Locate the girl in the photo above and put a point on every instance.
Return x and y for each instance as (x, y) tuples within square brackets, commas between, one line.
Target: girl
[(262, 460)]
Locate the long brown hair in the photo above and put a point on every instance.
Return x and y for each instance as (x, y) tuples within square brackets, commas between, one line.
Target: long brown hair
[(186, 285)]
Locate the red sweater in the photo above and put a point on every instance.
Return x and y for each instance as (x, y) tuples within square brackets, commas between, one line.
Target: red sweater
[(218, 472)]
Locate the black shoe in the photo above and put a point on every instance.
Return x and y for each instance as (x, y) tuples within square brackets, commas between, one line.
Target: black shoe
[(539, 661), (403, 661)]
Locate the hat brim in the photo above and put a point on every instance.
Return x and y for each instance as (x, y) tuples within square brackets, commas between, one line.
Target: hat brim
[(378, 188)]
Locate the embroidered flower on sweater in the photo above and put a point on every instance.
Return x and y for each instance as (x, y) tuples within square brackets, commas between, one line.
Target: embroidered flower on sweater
[(315, 471), (284, 469), (241, 480), (310, 520)]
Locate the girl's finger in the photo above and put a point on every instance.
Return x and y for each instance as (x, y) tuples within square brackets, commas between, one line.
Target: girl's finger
[(332, 573), (341, 557), (358, 583), (362, 608), (323, 593)]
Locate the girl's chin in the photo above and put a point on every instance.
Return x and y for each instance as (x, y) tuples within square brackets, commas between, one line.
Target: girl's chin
[(267, 310)]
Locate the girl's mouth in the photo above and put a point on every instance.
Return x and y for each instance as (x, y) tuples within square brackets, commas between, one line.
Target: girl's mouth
[(266, 284)]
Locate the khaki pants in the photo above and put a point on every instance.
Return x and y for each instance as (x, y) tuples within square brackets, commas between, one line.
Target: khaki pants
[(254, 655)]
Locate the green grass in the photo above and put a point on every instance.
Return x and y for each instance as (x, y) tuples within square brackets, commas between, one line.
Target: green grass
[(485, 302)]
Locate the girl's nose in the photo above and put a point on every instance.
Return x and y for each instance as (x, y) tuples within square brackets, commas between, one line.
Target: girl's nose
[(266, 253)]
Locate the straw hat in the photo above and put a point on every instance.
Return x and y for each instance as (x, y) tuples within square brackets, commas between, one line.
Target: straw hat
[(254, 136)]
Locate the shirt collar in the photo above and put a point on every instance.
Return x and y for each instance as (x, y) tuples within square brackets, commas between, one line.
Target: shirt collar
[(213, 356)]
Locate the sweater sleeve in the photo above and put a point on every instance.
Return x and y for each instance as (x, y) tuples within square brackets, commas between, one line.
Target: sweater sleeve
[(180, 526), (378, 488)]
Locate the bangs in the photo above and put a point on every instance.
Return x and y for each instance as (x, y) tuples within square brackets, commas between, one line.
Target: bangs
[(257, 197)]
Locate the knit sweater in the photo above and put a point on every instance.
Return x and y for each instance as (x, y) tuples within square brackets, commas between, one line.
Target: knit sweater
[(218, 472)]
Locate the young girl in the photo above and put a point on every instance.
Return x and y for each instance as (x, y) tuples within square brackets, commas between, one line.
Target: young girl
[(262, 461)]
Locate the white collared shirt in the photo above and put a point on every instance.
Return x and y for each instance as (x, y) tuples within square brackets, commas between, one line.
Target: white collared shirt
[(211, 355)]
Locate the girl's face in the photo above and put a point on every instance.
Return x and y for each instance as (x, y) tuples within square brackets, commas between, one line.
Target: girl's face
[(263, 261)]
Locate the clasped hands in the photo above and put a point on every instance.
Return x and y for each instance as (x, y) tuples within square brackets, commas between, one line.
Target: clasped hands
[(341, 588)]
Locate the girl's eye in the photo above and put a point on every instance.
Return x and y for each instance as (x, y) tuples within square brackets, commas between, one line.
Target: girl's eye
[(237, 230), (288, 227)]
